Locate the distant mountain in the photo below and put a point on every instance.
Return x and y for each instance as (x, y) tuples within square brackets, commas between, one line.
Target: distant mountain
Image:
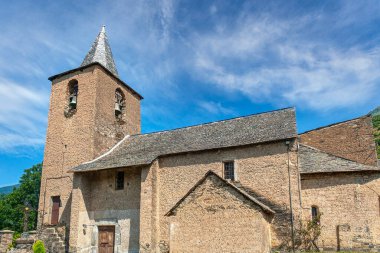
[(375, 112), (7, 189)]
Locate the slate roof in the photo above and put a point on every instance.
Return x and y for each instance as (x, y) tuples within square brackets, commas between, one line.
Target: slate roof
[(100, 52), (240, 191), (313, 160), (143, 149)]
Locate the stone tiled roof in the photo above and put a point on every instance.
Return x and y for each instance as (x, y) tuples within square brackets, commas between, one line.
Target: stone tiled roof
[(313, 160), (100, 52), (142, 149), (232, 186)]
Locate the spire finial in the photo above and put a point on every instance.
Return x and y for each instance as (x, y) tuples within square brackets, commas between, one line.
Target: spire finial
[(100, 52)]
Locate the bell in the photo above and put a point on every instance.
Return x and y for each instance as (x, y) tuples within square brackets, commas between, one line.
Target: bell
[(73, 100), (117, 108)]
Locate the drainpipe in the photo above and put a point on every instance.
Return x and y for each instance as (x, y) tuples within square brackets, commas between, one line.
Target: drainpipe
[(287, 143)]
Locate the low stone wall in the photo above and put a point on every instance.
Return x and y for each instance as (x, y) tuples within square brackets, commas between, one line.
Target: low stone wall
[(5, 239)]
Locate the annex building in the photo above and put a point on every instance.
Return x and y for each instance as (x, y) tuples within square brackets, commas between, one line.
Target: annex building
[(237, 185)]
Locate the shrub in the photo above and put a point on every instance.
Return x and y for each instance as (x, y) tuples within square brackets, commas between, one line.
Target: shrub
[(39, 247), (16, 235)]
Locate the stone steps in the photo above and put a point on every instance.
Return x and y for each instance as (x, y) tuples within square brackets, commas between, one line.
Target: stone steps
[(53, 242)]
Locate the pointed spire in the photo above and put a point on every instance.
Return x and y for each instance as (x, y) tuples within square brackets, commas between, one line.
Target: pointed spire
[(100, 52)]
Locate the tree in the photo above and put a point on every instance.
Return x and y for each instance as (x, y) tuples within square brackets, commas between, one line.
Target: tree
[(376, 126), (12, 205)]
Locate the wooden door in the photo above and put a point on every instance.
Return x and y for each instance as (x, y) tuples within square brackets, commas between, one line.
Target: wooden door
[(55, 210), (106, 239)]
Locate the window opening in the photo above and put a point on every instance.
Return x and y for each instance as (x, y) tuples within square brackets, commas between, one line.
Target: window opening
[(314, 212), (119, 180), (229, 170), (119, 103), (73, 94)]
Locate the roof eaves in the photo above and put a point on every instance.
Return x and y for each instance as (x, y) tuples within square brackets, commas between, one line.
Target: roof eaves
[(210, 172), (75, 170), (369, 167), (104, 68)]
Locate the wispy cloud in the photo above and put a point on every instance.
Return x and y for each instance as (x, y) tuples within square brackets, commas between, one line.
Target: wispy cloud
[(215, 108), (270, 60), (22, 116), (178, 54)]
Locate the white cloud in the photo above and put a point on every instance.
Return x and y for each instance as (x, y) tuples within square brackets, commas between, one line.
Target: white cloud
[(266, 57), (23, 116), (270, 61), (215, 108)]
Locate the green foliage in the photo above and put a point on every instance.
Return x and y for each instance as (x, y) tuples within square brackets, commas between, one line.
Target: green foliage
[(39, 247), (16, 235), (12, 205), (376, 126), (306, 235)]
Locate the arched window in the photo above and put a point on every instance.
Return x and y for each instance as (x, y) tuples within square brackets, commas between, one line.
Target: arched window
[(119, 103), (73, 94)]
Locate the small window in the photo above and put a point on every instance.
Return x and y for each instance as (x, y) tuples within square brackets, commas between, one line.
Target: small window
[(314, 212), (119, 180), (229, 170)]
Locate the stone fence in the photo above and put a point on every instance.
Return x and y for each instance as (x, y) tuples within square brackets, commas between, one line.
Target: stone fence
[(5, 240)]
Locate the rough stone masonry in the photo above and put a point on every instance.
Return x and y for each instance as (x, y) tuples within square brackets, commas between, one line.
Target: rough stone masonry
[(236, 185)]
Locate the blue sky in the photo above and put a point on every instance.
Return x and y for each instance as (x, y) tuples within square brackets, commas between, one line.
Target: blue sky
[(193, 61)]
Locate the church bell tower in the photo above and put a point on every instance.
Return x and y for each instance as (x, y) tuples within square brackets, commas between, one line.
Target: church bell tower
[(91, 109)]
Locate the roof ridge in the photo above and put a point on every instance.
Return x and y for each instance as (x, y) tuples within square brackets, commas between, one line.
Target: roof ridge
[(217, 121), (142, 149), (336, 123)]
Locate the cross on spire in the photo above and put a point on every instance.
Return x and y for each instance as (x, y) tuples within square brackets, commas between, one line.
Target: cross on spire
[(100, 52)]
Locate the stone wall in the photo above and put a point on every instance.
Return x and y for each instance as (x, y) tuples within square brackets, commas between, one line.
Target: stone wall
[(351, 139), (82, 135), (261, 169), (349, 203), (5, 240), (108, 128), (153, 190), (216, 218), (103, 205)]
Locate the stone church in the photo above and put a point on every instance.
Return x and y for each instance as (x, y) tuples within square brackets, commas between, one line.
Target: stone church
[(236, 185)]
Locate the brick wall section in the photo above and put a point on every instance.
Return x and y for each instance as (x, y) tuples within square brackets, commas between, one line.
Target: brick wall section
[(350, 200), (89, 132), (146, 206), (352, 140), (108, 129), (69, 141), (102, 204), (263, 169), (5, 240), (216, 218)]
